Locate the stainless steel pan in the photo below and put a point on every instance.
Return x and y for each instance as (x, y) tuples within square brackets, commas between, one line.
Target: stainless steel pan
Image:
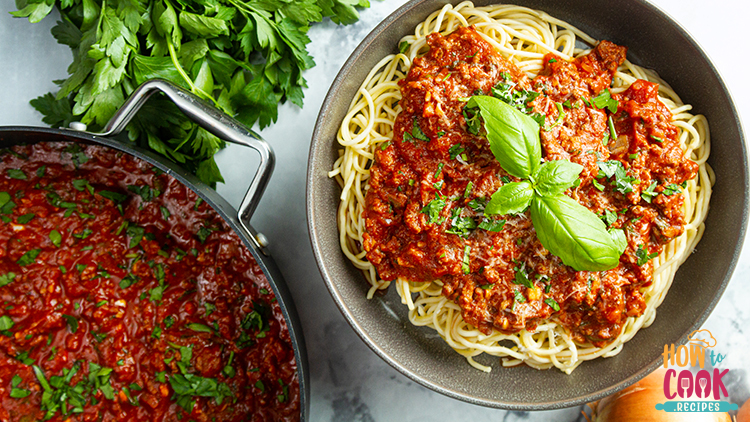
[(227, 129)]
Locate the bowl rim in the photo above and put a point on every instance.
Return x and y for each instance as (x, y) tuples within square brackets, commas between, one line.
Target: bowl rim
[(315, 237)]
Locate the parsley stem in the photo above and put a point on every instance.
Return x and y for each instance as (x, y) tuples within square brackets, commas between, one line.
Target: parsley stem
[(194, 89)]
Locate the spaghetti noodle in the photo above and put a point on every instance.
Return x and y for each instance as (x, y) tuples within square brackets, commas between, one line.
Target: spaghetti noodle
[(525, 38)]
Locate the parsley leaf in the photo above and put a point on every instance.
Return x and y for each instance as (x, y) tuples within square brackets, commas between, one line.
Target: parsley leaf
[(643, 256), (246, 58), (433, 210), (605, 100)]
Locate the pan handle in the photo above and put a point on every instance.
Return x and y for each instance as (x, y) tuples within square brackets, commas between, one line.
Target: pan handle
[(214, 121)]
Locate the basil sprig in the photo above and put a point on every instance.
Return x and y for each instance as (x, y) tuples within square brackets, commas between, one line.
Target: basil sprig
[(564, 227)]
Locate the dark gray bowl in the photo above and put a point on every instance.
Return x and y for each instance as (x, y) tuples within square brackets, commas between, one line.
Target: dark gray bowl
[(654, 41)]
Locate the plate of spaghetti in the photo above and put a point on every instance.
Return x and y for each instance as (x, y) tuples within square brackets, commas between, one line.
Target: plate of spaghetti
[(511, 205)]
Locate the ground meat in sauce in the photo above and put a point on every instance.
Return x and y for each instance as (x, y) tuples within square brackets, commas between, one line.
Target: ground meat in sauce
[(449, 164), (122, 277)]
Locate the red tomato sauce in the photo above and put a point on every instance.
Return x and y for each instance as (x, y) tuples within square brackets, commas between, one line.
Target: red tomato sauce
[(124, 297), (433, 157)]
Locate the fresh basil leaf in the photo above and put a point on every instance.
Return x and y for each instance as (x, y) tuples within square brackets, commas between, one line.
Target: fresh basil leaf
[(575, 234), (513, 136), (554, 177), (511, 198), (618, 237)]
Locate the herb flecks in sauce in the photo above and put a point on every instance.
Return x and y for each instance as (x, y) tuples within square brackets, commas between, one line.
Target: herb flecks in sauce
[(421, 231), (103, 307)]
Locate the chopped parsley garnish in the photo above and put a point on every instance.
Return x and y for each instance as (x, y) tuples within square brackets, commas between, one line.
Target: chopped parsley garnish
[(612, 131), (473, 122), (72, 323), (229, 371), (478, 204), (199, 328), (560, 117), (6, 323), (55, 200), (522, 277), (460, 226), (455, 151), (671, 189), (284, 392), (609, 217), (81, 184), (135, 233), (128, 281), (16, 174), (403, 46), (519, 99), (29, 257), (648, 194), (24, 219), (144, 191), (17, 393), (83, 234), (114, 196), (6, 279), (518, 296), (492, 225), (210, 308), (385, 145), (169, 321), (416, 133), (41, 171), (465, 264), (643, 256), (433, 210), (657, 139), (77, 155), (203, 233), (469, 187), (552, 303), (622, 183), (605, 100)]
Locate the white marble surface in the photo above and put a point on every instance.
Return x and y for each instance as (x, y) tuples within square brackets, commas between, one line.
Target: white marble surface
[(349, 382)]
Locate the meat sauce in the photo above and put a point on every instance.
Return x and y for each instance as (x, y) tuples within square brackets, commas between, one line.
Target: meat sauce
[(124, 297), (436, 175)]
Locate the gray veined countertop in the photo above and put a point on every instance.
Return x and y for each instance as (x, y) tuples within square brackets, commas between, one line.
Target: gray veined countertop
[(349, 382)]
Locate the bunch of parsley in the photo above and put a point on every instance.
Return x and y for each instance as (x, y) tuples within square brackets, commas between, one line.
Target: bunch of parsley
[(244, 56)]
